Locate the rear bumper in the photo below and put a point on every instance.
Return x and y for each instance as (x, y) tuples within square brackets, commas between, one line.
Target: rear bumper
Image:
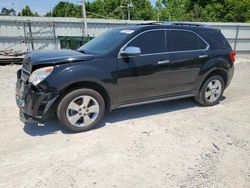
[(34, 104)]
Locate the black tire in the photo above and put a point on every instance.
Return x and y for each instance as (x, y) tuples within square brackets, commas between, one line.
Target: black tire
[(68, 98), (200, 97)]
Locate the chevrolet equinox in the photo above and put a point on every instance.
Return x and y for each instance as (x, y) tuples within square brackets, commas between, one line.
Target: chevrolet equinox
[(124, 67)]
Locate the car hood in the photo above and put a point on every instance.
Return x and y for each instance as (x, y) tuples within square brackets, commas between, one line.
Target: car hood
[(54, 57)]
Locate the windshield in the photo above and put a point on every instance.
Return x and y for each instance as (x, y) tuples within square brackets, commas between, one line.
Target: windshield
[(105, 42)]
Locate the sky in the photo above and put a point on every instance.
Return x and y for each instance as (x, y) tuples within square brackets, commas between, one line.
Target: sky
[(40, 6)]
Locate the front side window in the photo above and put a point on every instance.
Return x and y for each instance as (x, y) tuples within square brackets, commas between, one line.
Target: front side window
[(185, 41), (150, 42)]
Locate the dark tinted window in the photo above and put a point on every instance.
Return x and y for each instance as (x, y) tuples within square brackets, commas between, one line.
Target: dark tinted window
[(105, 42), (185, 40), (217, 39), (150, 42)]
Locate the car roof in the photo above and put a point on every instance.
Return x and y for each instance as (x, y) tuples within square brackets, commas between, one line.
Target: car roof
[(170, 25)]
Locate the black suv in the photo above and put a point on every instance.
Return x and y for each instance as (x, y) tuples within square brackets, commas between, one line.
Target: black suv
[(124, 67)]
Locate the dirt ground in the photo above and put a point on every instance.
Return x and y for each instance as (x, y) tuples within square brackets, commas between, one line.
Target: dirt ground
[(168, 144)]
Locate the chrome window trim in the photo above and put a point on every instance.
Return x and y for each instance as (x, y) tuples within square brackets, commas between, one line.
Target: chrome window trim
[(125, 45)]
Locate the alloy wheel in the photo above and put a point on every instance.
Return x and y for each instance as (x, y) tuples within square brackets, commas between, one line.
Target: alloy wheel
[(82, 111), (213, 91)]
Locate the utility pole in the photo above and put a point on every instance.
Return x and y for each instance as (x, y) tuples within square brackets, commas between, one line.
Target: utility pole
[(158, 6), (85, 28), (158, 14), (128, 11), (130, 5)]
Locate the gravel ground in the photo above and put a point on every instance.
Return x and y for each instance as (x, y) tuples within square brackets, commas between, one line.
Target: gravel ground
[(168, 144)]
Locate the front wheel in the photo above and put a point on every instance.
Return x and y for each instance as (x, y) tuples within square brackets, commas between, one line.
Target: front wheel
[(211, 91), (81, 110)]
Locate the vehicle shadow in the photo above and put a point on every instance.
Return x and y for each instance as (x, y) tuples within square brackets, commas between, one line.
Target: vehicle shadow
[(52, 125)]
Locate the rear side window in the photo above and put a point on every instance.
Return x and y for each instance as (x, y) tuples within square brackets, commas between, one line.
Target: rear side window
[(185, 41), (150, 42), (217, 39)]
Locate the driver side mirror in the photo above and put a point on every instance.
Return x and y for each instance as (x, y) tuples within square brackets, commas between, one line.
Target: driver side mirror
[(131, 51)]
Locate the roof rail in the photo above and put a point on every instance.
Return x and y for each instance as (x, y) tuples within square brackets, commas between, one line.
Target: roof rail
[(150, 23), (188, 24), (174, 23)]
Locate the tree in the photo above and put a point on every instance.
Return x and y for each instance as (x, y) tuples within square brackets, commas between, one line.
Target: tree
[(237, 11), (118, 9), (8, 12), (66, 9), (203, 10), (26, 11), (174, 10), (142, 10), (95, 8), (227, 11)]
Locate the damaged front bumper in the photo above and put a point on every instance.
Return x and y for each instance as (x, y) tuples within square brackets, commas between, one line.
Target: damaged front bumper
[(35, 105)]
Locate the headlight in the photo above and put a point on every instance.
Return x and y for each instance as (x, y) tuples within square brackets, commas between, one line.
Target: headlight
[(40, 74)]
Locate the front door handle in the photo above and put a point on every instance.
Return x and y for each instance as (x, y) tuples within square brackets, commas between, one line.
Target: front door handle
[(203, 56), (163, 62)]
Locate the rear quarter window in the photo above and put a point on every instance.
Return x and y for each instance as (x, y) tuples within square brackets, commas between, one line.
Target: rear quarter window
[(186, 40), (217, 39)]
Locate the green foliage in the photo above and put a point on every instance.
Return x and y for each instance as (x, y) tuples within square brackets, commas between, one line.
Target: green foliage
[(142, 10), (173, 10), (164, 10), (26, 11), (66, 9), (95, 7), (118, 9), (237, 11), (203, 10)]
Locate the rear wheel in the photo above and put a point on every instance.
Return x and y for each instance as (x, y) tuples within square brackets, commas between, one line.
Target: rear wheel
[(211, 91), (81, 110)]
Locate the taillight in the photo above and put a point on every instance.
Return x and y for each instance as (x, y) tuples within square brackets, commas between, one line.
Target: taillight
[(232, 56)]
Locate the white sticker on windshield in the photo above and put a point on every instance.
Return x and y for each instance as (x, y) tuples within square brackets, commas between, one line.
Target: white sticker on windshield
[(127, 31)]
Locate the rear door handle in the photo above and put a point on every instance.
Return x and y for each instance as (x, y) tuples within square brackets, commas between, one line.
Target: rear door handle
[(163, 62), (203, 56)]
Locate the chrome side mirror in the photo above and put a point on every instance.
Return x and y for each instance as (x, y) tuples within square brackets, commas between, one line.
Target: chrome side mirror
[(131, 51)]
